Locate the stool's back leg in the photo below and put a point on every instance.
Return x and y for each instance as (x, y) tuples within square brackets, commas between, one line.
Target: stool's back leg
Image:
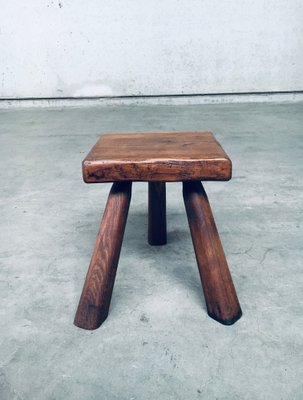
[(157, 213), (97, 291), (220, 295)]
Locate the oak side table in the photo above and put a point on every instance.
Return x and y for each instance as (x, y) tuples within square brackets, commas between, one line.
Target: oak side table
[(188, 157)]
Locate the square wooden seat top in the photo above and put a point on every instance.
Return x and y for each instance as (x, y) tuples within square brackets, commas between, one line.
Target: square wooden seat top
[(156, 156)]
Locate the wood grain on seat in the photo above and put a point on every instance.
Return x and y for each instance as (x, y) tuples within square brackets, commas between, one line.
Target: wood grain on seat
[(169, 156)]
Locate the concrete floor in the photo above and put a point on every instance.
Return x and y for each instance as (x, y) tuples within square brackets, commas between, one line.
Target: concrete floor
[(158, 341)]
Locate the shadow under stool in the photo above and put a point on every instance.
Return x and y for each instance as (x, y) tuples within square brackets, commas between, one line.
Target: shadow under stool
[(156, 158)]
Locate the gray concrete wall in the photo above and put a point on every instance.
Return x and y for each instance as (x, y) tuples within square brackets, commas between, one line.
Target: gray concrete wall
[(71, 48)]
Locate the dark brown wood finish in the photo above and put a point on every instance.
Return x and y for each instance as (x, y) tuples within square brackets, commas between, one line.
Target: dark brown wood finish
[(220, 295), (97, 291), (156, 156), (157, 213)]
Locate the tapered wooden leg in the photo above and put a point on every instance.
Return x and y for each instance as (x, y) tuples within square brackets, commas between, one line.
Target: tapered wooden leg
[(220, 295), (157, 213), (97, 291)]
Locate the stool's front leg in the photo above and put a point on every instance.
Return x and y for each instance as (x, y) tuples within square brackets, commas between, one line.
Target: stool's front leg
[(97, 291), (220, 295)]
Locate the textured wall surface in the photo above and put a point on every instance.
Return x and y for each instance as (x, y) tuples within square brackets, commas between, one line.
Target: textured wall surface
[(71, 48)]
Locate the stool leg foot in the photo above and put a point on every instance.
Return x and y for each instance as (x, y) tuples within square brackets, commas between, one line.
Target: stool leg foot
[(157, 234), (220, 295), (97, 290)]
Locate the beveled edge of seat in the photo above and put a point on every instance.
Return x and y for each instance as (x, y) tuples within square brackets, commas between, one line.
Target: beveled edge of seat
[(168, 171)]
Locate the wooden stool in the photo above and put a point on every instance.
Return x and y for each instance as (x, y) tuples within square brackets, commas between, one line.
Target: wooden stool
[(157, 158)]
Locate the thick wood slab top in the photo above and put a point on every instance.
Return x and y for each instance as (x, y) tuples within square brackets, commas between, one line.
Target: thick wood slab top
[(159, 156)]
